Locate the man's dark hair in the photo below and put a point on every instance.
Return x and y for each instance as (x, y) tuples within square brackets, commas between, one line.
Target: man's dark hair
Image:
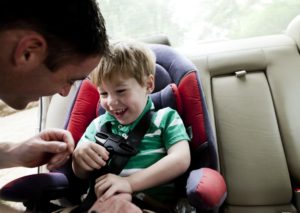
[(70, 27)]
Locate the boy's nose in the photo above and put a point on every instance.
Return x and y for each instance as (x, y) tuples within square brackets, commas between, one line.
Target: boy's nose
[(112, 100)]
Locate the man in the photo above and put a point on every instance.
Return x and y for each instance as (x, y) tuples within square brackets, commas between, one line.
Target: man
[(45, 46)]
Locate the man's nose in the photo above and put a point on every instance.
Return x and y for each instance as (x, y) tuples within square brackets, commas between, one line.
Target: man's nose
[(65, 90)]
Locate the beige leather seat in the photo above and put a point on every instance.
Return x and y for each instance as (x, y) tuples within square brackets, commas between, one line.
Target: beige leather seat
[(253, 93)]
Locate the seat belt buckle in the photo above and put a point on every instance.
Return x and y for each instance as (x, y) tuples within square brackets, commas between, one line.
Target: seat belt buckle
[(115, 144)]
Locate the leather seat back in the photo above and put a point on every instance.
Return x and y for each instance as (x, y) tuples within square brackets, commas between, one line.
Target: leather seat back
[(252, 90)]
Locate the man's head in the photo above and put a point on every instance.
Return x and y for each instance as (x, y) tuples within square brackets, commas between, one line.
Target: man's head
[(46, 46)]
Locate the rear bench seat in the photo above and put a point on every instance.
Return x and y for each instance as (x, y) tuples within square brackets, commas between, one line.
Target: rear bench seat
[(252, 88)]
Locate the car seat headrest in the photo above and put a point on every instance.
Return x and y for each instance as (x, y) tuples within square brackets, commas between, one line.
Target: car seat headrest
[(168, 59), (162, 78), (293, 30), (85, 109), (86, 106), (167, 97), (178, 86)]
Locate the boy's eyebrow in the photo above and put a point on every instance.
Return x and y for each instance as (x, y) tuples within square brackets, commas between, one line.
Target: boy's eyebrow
[(121, 84)]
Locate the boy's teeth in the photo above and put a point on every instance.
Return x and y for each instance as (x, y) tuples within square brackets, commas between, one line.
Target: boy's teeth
[(119, 111)]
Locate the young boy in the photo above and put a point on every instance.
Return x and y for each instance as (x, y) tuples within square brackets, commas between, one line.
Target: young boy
[(125, 79)]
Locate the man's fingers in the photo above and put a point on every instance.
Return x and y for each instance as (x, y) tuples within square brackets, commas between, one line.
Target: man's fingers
[(57, 161), (55, 147), (53, 135), (69, 140)]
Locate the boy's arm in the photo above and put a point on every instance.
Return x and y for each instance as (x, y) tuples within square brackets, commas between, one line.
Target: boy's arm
[(88, 157), (171, 166)]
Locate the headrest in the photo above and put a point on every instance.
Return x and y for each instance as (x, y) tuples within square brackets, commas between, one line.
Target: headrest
[(249, 60), (167, 97), (162, 78), (86, 106), (84, 110), (170, 62), (157, 39), (293, 30), (177, 85)]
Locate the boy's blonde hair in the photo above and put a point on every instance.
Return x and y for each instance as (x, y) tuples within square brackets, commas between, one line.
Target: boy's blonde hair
[(126, 59)]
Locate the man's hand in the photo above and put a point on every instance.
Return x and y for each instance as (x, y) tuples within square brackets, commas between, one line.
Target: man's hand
[(7, 209), (120, 203), (52, 146)]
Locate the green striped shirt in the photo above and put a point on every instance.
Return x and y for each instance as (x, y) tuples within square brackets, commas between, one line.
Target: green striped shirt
[(166, 129)]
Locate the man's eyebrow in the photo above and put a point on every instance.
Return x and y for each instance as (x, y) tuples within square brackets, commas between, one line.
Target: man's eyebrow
[(79, 79)]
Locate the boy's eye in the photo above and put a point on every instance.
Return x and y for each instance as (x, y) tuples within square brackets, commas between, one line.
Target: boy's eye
[(103, 94)]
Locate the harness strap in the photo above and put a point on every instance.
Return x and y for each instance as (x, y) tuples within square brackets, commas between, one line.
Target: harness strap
[(118, 162)]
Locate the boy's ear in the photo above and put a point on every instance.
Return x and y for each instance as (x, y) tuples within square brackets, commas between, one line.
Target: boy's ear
[(31, 50), (150, 84)]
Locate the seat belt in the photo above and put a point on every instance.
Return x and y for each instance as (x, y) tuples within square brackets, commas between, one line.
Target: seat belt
[(120, 150)]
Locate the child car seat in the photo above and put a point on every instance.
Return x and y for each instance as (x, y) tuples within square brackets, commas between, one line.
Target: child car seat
[(178, 86)]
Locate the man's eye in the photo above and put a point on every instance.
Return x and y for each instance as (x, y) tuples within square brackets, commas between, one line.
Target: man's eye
[(121, 90), (71, 82)]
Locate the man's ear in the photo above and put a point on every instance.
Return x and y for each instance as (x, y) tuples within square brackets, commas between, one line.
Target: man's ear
[(150, 84), (31, 50)]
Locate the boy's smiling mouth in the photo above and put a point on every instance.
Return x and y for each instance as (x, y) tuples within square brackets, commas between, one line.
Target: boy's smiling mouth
[(120, 111)]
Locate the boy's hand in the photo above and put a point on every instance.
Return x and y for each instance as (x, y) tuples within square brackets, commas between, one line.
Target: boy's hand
[(109, 185), (90, 156)]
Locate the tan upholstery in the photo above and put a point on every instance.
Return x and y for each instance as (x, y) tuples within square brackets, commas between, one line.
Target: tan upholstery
[(59, 109), (293, 30), (256, 116)]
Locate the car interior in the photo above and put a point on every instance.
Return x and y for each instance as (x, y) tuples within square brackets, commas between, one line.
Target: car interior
[(251, 91), (177, 85), (251, 114)]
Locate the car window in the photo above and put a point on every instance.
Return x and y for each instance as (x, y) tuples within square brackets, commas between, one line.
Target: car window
[(193, 21)]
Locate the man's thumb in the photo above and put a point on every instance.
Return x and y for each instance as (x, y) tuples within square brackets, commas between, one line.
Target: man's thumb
[(54, 146)]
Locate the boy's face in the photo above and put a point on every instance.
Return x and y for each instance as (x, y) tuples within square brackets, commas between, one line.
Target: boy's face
[(125, 98)]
